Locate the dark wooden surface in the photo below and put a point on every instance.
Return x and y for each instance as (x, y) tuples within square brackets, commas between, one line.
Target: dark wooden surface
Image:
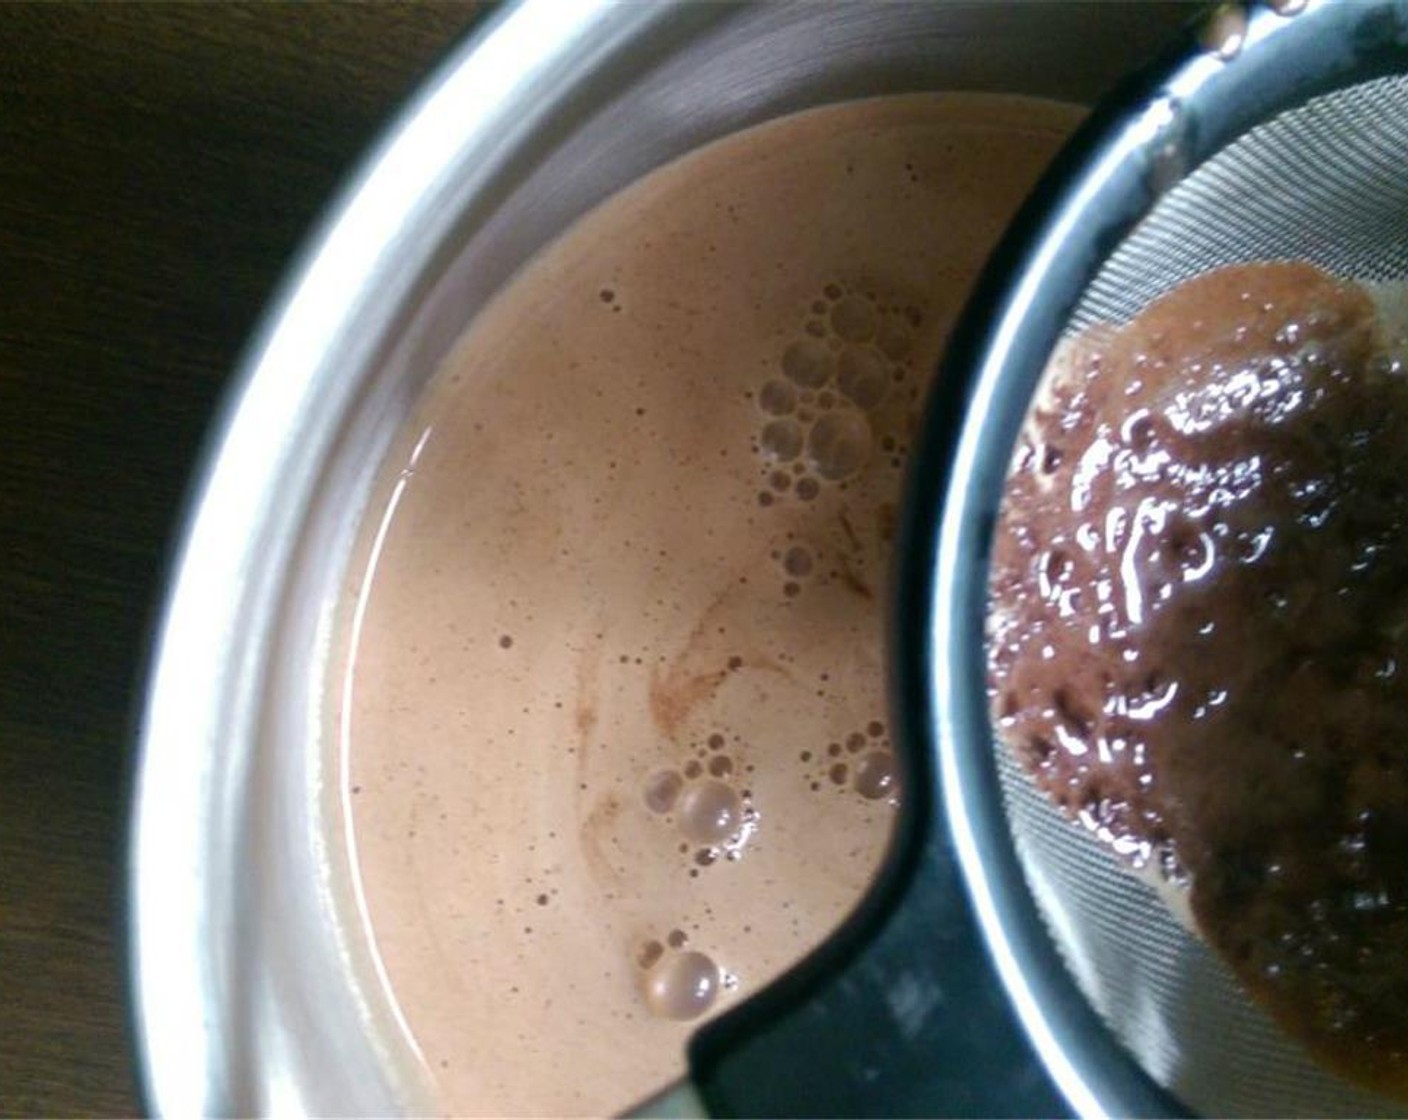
[(158, 166)]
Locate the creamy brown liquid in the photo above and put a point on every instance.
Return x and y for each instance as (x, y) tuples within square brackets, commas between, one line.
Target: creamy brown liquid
[(1199, 634), (616, 723)]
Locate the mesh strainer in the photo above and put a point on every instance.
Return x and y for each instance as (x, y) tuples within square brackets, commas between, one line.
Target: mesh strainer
[(1173, 1004), (1294, 148), (1284, 136)]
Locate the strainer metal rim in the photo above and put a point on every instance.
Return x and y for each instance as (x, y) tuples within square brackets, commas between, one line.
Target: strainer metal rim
[(1159, 127)]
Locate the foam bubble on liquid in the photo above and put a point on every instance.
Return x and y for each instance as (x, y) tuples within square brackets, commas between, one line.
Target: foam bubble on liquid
[(1226, 32), (797, 561), (709, 812), (855, 318), (682, 985), (781, 440), (662, 789), (861, 377), (808, 362), (777, 398), (877, 776), (839, 444), (894, 339)]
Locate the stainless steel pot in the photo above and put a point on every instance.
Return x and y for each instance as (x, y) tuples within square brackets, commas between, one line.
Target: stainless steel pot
[(256, 985)]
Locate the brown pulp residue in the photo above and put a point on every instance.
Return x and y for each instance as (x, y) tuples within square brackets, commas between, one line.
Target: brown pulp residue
[(1199, 633)]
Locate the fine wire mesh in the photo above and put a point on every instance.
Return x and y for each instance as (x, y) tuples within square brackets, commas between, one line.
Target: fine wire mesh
[(1328, 183)]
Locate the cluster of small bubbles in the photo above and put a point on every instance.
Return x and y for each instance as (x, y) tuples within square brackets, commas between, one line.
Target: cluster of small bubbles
[(797, 563), (832, 398), (861, 761), (715, 819), (682, 984)]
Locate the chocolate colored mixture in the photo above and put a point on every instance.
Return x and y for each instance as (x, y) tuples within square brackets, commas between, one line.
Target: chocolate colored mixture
[(1199, 632)]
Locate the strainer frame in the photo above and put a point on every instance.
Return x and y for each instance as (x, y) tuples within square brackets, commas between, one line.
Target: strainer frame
[(1152, 133)]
